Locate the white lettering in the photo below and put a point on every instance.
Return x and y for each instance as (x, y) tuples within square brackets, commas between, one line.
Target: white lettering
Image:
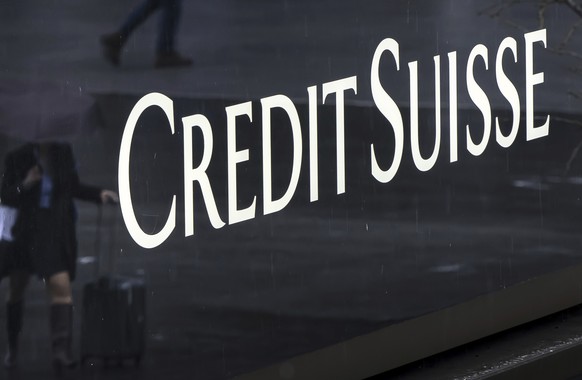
[(421, 163), (480, 99), (509, 92), (280, 101), (139, 236), (235, 157), (339, 87), (453, 107), (313, 143), (532, 80), (387, 106), (198, 174)]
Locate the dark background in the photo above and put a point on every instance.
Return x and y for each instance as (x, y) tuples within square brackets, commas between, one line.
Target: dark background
[(225, 302)]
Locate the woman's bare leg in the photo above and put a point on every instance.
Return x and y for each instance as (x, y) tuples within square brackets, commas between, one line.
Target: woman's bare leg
[(61, 315)]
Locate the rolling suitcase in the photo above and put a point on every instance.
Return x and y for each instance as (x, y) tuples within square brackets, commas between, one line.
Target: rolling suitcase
[(114, 312)]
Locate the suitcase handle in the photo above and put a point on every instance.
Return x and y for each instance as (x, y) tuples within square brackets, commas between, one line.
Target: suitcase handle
[(111, 262)]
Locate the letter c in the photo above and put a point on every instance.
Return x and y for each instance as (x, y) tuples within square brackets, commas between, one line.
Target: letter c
[(139, 236)]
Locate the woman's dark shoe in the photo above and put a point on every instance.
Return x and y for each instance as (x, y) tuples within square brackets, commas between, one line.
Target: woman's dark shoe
[(14, 316), (171, 59), (10, 359), (111, 45), (62, 337)]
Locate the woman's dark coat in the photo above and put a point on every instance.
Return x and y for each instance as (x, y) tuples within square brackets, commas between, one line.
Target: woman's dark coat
[(61, 215)]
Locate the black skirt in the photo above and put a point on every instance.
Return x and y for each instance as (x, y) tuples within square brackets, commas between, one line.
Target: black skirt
[(44, 250), (47, 252), (13, 260)]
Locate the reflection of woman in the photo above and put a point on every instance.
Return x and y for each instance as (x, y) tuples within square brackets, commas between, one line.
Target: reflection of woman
[(40, 180), (167, 56)]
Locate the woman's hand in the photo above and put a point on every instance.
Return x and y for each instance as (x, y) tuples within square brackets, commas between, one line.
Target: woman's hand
[(33, 176), (109, 196)]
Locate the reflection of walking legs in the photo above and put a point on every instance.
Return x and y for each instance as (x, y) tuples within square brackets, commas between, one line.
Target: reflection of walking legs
[(168, 29), (166, 55), (137, 16)]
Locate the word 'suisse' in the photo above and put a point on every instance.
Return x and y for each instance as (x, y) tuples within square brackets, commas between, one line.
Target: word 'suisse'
[(382, 100)]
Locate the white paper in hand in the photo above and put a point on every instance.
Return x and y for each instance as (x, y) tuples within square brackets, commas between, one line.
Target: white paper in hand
[(8, 217)]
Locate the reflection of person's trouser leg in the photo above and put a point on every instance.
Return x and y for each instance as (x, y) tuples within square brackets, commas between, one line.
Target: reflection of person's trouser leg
[(166, 55), (165, 48), (137, 16), (112, 43), (169, 19)]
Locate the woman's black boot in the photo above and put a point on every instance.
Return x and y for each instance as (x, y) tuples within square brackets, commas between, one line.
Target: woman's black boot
[(14, 315), (62, 336)]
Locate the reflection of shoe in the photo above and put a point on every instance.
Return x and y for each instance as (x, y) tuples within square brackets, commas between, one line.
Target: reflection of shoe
[(10, 360), (171, 59), (111, 45)]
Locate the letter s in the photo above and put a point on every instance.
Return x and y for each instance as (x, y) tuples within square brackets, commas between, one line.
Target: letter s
[(389, 109), (480, 99)]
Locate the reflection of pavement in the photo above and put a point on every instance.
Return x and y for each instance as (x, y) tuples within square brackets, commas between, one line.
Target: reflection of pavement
[(229, 301), (251, 50)]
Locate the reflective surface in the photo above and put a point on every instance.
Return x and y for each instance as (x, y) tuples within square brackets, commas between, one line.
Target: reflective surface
[(227, 301)]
